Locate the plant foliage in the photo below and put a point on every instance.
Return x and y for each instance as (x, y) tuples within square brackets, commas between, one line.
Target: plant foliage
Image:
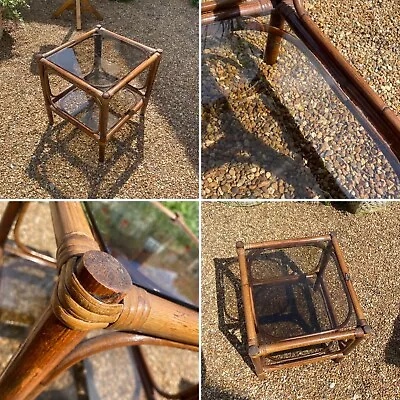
[(11, 8)]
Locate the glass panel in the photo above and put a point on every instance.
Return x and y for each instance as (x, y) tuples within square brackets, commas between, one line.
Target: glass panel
[(120, 58), (101, 60), (122, 101), (289, 298), (157, 253), (83, 107), (281, 131), (78, 60)]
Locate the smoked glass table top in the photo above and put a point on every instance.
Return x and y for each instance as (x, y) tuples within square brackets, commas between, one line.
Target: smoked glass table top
[(291, 299), (289, 124), (101, 60)]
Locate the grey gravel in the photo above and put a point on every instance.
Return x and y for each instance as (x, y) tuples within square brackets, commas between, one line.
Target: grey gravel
[(371, 249)]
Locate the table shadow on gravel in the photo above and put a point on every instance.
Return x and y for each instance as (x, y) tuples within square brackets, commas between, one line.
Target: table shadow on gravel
[(282, 166), (63, 148), (230, 306), (392, 350)]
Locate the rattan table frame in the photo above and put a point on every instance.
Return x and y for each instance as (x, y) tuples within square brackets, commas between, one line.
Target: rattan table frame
[(103, 135), (346, 337)]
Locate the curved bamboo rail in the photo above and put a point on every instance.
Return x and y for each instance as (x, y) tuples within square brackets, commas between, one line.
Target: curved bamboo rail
[(101, 343)]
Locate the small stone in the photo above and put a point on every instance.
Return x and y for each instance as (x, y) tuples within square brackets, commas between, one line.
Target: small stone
[(263, 184)]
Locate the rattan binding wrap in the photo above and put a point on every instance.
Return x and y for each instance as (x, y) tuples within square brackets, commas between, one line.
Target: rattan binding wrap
[(74, 244), (78, 309)]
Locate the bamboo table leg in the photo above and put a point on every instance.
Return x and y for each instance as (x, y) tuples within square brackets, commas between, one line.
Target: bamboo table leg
[(78, 15), (10, 215), (272, 47)]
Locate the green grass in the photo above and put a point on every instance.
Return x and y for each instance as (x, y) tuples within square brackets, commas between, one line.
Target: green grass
[(189, 211)]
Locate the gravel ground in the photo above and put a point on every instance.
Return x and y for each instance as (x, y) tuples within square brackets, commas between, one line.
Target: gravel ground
[(26, 289), (159, 161), (371, 249), (286, 135)]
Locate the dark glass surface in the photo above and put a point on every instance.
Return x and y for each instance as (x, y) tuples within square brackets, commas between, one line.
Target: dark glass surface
[(285, 120), (286, 308), (101, 60), (85, 109), (158, 254)]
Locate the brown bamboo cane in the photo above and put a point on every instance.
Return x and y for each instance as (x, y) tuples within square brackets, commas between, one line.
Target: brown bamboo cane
[(132, 42), (298, 342), (10, 214), (303, 361), (139, 69), (101, 343), (151, 77), (354, 298), (44, 81), (152, 315), (248, 308), (242, 9), (208, 6), (273, 45), (287, 243), (177, 219), (50, 341)]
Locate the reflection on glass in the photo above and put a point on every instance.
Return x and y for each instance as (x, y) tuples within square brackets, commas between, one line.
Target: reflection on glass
[(284, 123), (158, 254)]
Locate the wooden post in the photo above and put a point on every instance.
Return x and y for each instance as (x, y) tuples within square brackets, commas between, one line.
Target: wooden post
[(9, 216), (271, 51)]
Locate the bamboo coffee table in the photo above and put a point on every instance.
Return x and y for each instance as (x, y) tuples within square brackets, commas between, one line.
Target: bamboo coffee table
[(93, 291), (299, 303), (98, 81)]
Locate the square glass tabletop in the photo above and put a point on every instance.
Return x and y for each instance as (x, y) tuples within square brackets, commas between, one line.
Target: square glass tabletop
[(291, 299), (284, 130), (102, 59)]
